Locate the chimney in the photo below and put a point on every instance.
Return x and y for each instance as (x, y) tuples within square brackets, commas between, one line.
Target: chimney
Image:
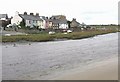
[(16, 13), (74, 19), (31, 14), (46, 17), (37, 14), (25, 13)]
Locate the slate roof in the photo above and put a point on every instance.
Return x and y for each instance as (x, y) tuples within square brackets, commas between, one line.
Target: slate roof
[(33, 17), (3, 16), (63, 21), (43, 17), (57, 21), (77, 22), (74, 21), (30, 17), (58, 17)]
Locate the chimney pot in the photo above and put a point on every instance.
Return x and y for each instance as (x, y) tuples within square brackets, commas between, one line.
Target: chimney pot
[(25, 13), (37, 14), (74, 19), (31, 14)]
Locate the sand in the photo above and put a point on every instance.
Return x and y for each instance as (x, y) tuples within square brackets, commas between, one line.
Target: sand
[(104, 70)]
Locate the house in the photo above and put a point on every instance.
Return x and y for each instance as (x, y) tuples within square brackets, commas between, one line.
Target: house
[(30, 20), (4, 20), (3, 17), (55, 23), (16, 19), (63, 24), (74, 23), (46, 23), (86, 27), (59, 22), (49, 23)]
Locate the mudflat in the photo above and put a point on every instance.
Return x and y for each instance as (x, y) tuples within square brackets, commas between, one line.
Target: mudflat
[(104, 70)]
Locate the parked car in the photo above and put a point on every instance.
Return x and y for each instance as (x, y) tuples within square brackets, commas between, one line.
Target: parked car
[(9, 25), (64, 30), (51, 32), (69, 31), (65, 33), (7, 34)]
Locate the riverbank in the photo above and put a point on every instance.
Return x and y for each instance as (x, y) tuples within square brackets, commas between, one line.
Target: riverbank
[(48, 60), (57, 36), (104, 70)]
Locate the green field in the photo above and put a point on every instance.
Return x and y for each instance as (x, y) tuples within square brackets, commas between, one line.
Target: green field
[(46, 37)]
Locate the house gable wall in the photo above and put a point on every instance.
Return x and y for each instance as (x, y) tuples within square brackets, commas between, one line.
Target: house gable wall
[(16, 19)]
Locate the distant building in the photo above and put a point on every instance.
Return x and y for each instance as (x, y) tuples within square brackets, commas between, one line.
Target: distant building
[(3, 17), (74, 23), (46, 22), (53, 22), (59, 22), (4, 20)]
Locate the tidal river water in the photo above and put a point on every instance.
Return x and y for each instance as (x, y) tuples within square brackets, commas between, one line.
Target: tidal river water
[(46, 60)]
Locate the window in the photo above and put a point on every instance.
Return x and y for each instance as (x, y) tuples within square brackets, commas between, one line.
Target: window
[(33, 21), (29, 22)]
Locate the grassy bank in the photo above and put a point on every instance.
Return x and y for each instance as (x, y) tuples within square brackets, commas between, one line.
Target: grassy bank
[(47, 37)]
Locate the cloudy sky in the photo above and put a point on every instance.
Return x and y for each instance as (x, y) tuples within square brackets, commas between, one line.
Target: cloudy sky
[(87, 11)]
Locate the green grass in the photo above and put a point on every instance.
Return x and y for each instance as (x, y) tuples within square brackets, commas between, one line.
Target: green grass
[(47, 37)]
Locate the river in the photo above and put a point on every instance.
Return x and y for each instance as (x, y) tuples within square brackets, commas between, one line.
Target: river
[(46, 60)]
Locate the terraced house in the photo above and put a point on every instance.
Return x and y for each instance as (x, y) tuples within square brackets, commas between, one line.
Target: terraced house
[(30, 20), (59, 22), (75, 24)]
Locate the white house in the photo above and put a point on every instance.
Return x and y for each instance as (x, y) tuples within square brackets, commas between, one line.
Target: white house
[(30, 20), (63, 24), (16, 19)]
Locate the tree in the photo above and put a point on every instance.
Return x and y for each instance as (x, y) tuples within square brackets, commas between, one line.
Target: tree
[(22, 23), (68, 23), (4, 24)]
